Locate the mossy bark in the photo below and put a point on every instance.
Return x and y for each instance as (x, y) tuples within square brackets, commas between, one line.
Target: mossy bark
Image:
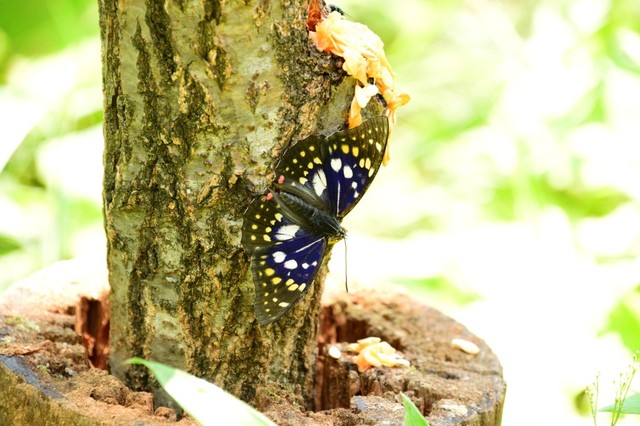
[(200, 98)]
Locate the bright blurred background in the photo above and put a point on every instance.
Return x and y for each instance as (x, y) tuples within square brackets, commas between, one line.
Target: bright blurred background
[(512, 202)]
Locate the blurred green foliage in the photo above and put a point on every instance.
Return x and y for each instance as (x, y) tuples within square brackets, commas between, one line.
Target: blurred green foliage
[(36, 28), (52, 113), (624, 319), (518, 154)]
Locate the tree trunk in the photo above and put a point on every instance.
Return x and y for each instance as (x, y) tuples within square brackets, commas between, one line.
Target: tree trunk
[(200, 99)]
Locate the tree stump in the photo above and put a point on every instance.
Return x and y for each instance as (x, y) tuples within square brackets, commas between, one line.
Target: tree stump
[(54, 326)]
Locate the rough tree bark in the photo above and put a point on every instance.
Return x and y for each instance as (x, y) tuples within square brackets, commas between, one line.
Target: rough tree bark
[(200, 98)]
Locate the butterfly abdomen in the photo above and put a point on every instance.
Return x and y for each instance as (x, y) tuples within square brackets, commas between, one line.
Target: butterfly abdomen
[(308, 216)]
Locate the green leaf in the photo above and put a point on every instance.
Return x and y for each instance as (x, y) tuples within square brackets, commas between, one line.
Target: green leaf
[(204, 401), (631, 405), (412, 416)]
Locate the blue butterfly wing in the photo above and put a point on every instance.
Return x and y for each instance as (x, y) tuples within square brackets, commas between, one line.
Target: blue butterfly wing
[(303, 167), (285, 259), (264, 225), (283, 273), (337, 169), (353, 160)]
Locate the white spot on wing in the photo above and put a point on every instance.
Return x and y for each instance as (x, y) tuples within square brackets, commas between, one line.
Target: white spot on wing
[(279, 257), (336, 164), (291, 264), (348, 173), (319, 182), (287, 232)]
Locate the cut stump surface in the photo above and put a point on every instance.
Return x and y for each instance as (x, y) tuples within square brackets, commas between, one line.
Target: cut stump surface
[(53, 326)]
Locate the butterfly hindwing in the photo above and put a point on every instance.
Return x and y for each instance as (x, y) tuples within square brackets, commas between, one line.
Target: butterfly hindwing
[(353, 159), (339, 168), (302, 165), (283, 273)]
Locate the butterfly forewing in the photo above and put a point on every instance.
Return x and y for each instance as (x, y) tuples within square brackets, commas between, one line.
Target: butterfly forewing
[(283, 273), (285, 258), (354, 157)]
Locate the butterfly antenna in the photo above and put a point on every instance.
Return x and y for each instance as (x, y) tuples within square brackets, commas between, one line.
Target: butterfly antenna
[(346, 275)]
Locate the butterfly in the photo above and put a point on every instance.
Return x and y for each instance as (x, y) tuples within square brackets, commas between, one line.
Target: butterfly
[(287, 232)]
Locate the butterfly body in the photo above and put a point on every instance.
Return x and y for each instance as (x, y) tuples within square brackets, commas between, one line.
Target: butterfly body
[(307, 214), (287, 233)]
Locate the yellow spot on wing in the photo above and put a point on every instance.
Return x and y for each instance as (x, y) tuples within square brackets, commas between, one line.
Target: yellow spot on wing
[(276, 280), (345, 148), (269, 271), (355, 150)]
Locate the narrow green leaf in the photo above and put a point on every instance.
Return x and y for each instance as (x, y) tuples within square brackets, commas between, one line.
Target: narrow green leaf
[(631, 405), (412, 416), (204, 401)]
